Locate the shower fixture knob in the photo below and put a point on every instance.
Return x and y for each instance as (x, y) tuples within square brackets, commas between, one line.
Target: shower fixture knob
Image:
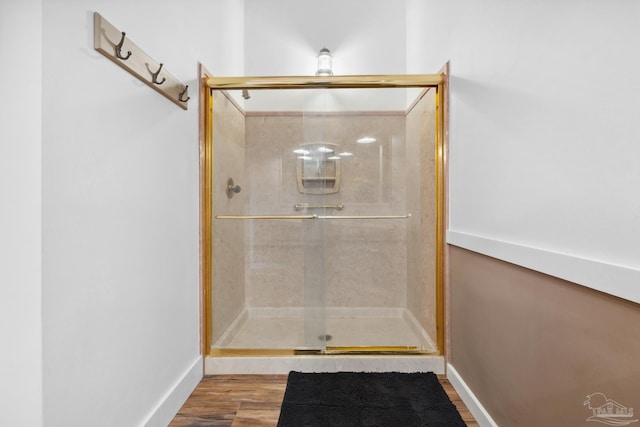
[(232, 188)]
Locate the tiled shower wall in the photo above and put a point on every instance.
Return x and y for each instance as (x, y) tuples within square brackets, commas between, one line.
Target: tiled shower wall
[(421, 191), (228, 235), (364, 260)]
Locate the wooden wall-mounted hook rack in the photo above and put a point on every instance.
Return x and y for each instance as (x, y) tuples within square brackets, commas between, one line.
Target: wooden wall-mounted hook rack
[(114, 44)]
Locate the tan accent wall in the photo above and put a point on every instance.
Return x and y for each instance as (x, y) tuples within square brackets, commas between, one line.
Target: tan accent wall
[(532, 347)]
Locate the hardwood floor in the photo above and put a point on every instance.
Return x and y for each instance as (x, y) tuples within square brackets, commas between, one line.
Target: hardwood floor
[(254, 401)]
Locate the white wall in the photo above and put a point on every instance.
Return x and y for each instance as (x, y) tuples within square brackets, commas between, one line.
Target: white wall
[(365, 36), (544, 157), (20, 214), (120, 210), (283, 37)]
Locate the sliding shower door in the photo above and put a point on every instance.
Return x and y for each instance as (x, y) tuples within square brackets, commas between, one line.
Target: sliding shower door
[(373, 152), (268, 244), (323, 220)]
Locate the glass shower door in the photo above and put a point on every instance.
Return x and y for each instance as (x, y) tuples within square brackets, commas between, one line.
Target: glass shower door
[(269, 244), (368, 175), (328, 246)]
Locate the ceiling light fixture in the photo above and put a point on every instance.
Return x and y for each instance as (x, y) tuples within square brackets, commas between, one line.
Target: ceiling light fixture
[(324, 63)]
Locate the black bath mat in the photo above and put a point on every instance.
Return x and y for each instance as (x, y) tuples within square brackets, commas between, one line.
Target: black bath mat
[(352, 399)]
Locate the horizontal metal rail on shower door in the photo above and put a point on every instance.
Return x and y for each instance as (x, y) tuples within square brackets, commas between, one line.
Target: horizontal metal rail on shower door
[(313, 216), (266, 216), (364, 216)]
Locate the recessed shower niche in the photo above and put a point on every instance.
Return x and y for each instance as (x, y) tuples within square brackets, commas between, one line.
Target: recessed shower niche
[(335, 231), (318, 168)]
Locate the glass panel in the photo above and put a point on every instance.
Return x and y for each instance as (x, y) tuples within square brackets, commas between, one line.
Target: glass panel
[(342, 252)]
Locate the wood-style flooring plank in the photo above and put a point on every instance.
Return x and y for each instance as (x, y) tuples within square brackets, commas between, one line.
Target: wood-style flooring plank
[(254, 401), (233, 401), (258, 414)]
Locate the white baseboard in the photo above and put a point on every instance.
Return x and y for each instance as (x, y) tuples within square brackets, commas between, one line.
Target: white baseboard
[(171, 402), (473, 404)]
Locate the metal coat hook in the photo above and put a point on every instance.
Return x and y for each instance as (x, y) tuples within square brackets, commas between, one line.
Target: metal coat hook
[(119, 49), (155, 76), (182, 94)]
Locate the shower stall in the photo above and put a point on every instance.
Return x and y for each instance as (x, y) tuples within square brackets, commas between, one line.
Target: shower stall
[(323, 208)]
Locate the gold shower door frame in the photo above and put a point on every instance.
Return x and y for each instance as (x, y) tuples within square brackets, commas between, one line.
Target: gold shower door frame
[(209, 83)]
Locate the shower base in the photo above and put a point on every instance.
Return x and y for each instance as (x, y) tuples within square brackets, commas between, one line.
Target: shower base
[(290, 327), (284, 328)]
